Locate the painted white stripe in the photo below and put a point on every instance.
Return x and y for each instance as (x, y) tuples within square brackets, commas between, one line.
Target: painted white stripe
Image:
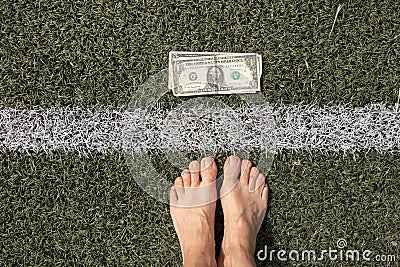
[(297, 128)]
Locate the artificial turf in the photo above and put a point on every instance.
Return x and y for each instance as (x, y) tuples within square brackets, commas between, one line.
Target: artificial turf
[(62, 209), (97, 52)]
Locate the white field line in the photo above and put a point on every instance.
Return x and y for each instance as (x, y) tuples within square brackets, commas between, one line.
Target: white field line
[(298, 128)]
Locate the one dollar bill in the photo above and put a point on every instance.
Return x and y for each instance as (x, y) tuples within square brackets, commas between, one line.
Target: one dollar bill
[(202, 73)]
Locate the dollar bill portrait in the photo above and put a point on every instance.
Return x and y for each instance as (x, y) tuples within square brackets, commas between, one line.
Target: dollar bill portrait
[(215, 77)]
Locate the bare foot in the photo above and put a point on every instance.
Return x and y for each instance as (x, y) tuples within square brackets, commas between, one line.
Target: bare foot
[(244, 204), (193, 200)]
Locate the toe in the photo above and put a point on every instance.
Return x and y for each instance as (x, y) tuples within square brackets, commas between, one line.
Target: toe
[(186, 178), (194, 168), (179, 187), (260, 183), (253, 179), (173, 196), (245, 171), (231, 173), (208, 170), (232, 168), (264, 194)]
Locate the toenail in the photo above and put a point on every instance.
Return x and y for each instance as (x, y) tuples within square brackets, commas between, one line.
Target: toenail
[(193, 165), (233, 161), (206, 162)]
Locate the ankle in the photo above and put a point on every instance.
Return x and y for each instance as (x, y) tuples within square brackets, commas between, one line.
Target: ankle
[(199, 259), (238, 257), (241, 246), (238, 251)]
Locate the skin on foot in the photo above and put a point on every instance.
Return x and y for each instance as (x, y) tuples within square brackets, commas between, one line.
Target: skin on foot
[(193, 201), (244, 203)]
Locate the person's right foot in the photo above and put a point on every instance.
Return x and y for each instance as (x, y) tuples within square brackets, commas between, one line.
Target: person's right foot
[(244, 203)]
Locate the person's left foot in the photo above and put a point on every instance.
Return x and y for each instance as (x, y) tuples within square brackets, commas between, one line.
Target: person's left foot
[(193, 200)]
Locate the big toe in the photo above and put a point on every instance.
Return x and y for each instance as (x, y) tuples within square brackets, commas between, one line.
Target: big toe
[(231, 171), (208, 170)]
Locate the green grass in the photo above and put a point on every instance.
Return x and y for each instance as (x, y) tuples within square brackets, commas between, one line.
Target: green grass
[(61, 209), (97, 52)]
